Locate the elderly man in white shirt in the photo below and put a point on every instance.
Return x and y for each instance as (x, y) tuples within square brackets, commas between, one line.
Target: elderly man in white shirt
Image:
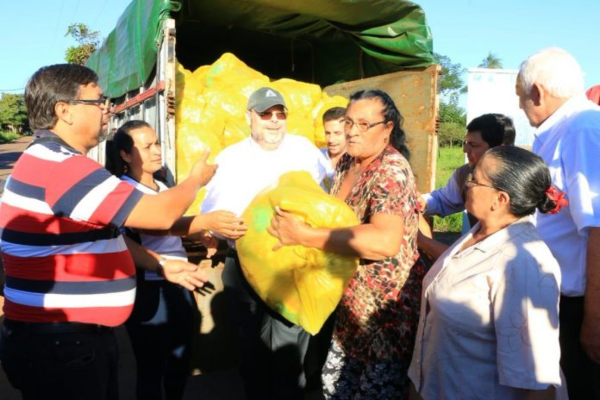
[(272, 349), (551, 93)]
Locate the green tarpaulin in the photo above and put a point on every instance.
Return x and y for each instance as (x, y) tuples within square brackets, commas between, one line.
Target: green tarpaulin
[(320, 41)]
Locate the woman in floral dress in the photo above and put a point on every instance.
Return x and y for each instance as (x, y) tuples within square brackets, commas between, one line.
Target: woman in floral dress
[(378, 314)]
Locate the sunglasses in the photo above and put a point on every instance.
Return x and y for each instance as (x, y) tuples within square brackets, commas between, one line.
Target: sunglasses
[(268, 115), (103, 101)]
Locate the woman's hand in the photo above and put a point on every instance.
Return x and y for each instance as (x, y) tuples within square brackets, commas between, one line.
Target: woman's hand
[(226, 224), (287, 228), (185, 274), (210, 242)]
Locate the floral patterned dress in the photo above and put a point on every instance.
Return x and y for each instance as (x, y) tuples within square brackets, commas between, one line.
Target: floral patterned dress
[(377, 318)]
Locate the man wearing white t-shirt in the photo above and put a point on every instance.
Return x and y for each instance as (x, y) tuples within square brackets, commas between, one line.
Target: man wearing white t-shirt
[(272, 349), (551, 93)]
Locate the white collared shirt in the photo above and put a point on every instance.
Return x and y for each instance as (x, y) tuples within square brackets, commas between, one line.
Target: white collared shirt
[(569, 142), (245, 169), (489, 319)]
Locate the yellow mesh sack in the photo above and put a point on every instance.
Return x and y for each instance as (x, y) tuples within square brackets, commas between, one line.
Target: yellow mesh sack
[(236, 130), (229, 70), (301, 125), (186, 86), (302, 284)]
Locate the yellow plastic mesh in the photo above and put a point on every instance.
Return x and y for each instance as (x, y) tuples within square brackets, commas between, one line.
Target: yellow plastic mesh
[(303, 284)]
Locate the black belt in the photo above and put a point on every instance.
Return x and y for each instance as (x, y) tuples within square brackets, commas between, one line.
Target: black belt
[(54, 327)]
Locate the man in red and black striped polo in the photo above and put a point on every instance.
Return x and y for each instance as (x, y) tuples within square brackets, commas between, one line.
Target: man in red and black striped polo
[(69, 275)]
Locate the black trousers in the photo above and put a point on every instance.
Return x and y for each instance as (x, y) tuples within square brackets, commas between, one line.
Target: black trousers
[(47, 363), (581, 373), (271, 349), (161, 330)]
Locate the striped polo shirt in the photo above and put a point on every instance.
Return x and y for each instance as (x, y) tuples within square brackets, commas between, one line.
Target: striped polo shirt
[(63, 254)]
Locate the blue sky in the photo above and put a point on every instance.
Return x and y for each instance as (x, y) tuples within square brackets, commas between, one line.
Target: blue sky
[(33, 31), (467, 30)]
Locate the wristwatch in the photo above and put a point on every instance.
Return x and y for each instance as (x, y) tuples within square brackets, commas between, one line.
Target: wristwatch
[(160, 269)]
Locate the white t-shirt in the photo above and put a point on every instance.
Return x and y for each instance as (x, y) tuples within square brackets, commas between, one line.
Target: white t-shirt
[(569, 142), (244, 169)]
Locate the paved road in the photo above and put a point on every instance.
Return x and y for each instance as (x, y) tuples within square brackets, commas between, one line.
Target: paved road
[(9, 154)]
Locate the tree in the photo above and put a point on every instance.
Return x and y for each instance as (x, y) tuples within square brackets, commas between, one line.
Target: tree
[(491, 62), (13, 113), (450, 134), (451, 117), (451, 112), (88, 43), (452, 83)]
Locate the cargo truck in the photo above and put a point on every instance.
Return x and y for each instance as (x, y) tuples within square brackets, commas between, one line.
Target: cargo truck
[(341, 46)]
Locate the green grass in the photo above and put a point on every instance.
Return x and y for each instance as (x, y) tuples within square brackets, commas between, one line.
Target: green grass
[(7, 136), (449, 158)]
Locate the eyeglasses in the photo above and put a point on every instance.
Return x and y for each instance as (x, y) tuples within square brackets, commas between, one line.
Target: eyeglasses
[(470, 182), (267, 115), (362, 126), (103, 101)]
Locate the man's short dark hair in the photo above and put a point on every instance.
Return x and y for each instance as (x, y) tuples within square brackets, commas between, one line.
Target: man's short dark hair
[(52, 84), (495, 129), (334, 113)]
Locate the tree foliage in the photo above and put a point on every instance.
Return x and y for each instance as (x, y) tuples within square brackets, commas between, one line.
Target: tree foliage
[(88, 43), (450, 134), (451, 112), (491, 62), (451, 117), (451, 80), (13, 113)]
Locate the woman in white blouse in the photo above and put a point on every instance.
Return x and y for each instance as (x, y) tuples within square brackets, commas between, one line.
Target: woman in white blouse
[(488, 327)]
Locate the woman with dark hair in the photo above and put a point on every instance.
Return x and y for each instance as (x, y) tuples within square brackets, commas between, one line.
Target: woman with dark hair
[(161, 324), (376, 320), (489, 312)]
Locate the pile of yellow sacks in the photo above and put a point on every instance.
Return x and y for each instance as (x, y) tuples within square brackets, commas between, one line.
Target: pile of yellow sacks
[(211, 106)]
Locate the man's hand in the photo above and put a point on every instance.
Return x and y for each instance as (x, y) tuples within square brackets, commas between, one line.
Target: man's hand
[(202, 172), (186, 274), (421, 203), (590, 329), (590, 338), (226, 224)]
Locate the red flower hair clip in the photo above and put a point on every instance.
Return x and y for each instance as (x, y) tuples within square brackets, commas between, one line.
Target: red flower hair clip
[(558, 197)]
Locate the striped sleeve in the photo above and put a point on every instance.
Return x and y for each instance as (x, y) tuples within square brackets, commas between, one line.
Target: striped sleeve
[(83, 190)]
